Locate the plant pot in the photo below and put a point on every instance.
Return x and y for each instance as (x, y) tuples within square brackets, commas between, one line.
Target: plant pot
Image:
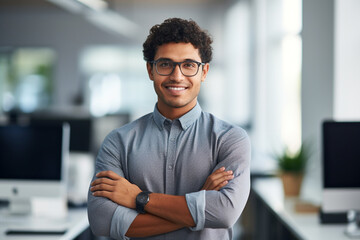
[(291, 183)]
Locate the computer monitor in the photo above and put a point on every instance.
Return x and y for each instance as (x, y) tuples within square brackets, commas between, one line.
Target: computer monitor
[(341, 166), (32, 164), (81, 139)]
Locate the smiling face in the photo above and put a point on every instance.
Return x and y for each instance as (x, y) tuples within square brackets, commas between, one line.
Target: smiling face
[(176, 93)]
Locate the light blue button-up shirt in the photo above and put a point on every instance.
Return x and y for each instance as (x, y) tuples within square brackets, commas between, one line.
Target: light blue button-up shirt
[(176, 157)]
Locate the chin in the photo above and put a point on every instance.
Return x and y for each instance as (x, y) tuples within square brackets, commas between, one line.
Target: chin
[(179, 103)]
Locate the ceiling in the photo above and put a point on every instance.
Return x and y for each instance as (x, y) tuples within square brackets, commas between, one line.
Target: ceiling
[(112, 4), (124, 17)]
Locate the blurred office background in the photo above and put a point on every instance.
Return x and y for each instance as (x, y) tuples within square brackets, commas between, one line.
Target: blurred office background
[(280, 67)]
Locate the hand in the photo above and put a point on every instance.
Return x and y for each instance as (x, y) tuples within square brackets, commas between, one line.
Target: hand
[(218, 179), (116, 188)]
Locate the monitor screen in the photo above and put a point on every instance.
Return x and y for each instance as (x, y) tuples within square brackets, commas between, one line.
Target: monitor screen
[(33, 164), (81, 130), (30, 152), (341, 154), (341, 167)]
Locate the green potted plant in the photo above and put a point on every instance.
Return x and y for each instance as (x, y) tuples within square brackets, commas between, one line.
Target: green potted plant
[(291, 169)]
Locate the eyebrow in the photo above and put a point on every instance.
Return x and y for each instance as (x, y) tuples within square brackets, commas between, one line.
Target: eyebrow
[(169, 59)]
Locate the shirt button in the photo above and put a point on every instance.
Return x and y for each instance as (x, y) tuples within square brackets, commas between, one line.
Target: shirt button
[(170, 167)]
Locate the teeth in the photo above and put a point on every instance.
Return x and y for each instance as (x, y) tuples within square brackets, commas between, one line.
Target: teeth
[(176, 88)]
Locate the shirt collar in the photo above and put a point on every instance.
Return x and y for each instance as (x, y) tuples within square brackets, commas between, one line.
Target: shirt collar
[(186, 120)]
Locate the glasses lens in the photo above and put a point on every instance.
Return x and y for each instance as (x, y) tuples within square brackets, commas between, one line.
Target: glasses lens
[(189, 68), (164, 67)]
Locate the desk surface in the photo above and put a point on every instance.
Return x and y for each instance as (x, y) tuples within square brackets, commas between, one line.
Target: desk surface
[(74, 224), (306, 226)]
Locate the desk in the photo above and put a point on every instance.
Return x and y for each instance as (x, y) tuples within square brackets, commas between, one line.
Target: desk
[(75, 223), (276, 217)]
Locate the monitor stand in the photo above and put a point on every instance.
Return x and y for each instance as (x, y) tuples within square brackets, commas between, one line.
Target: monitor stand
[(55, 208), (34, 215), (20, 206)]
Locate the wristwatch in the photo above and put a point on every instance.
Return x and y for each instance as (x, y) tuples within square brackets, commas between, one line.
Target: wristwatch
[(141, 200)]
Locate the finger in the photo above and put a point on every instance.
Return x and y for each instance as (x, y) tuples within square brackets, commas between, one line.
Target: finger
[(220, 175), (219, 170), (219, 181), (109, 174), (211, 184), (103, 181), (221, 185), (206, 186), (216, 178), (102, 187), (105, 194)]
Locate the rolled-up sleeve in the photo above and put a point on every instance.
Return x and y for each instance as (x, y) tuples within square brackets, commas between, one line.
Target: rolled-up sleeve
[(107, 218), (121, 221), (196, 205), (221, 209)]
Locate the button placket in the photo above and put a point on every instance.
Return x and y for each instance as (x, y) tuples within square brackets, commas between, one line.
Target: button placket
[(171, 157)]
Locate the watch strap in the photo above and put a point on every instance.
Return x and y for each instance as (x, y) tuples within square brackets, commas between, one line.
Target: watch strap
[(141, 200)]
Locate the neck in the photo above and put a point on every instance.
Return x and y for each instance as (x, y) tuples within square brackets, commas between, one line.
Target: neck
[(172, 112)]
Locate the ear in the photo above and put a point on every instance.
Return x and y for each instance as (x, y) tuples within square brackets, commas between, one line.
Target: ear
[(150, 71), (205, 70)]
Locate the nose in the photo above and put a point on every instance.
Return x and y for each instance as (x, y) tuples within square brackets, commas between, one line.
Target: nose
[(176, 74)]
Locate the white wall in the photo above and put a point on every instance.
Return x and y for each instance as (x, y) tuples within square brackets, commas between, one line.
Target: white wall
[(317, 82), (266, 77), (347, 60)]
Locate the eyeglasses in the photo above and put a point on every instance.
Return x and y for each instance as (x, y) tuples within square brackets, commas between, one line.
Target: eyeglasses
[(188, 68)]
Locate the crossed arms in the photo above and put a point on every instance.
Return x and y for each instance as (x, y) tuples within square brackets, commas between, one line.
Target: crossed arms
[(165, 213), (217, 204)]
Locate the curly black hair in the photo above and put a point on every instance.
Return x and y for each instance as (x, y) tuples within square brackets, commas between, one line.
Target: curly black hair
[(178, 30)]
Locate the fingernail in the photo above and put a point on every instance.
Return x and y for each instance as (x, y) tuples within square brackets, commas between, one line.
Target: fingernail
[(230, 172), (222, 168)]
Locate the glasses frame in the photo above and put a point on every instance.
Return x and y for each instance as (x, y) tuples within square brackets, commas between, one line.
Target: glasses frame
[(177, 64)]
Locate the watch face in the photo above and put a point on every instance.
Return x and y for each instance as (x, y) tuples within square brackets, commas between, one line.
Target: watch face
[(143, 198)]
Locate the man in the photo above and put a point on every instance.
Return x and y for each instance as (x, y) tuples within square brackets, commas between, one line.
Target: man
[(176, 173)]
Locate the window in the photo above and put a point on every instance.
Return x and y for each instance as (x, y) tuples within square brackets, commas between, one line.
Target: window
[(27, 83), (116, 81), (277, 74), (226, 91)]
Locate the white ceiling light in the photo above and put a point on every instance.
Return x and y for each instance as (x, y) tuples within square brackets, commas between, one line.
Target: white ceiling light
[(113, 22), (97, 5), (97, 12)]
